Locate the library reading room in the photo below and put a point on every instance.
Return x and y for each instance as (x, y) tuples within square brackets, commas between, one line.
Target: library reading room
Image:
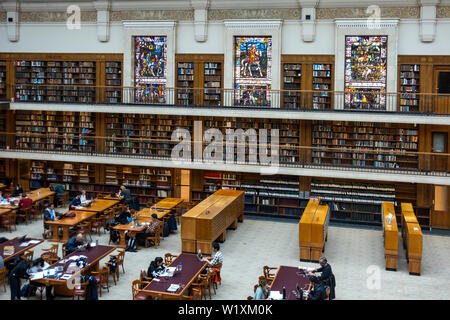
[(224, 150)]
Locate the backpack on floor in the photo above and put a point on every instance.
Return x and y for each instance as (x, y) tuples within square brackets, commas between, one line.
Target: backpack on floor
[(166, 229), (114, 235)]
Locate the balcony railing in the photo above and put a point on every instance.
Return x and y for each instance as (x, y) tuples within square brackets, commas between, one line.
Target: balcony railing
[(294, 156), (410, 102)]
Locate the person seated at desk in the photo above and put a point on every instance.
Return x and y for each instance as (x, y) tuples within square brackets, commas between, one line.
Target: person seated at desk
[(125, 194), (1, 197), (75, 243), (60, 193), (150, 231), (75, 202), (263, 291), (156, 267), (17, 190), (24, 202), (39, 265), (50, 215), (217, 258), (83, 197), (326, 276), (318, 290)]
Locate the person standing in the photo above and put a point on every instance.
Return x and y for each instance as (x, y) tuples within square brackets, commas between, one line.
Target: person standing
[(17, 273), (326, 275)]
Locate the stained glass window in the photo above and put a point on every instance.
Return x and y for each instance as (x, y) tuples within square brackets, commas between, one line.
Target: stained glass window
[(365, 72), (150, 68), (253, 70)]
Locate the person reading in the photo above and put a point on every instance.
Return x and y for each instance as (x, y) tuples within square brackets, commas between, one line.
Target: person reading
[(156, 267), (318, 290), (263, 291), (75, 202), (150, 231), (50, 215), (75, 243)]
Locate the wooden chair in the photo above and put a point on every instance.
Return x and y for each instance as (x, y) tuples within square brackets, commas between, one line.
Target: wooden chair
[(102, 278), (143, 276), (202, 284), (85, 228), (36, 212), (267, 271), (328, 293), (28, 255), (25, 214), (155, 238), (148, 204), (96, 225), (120, 257), (3, 278), (255, 287), (50, 254), (168, 258), (195, 295), (8, 221), (63, 250), (249, 298), (80, 290), (182, 209), (136, 290), (219, 268), (269, 280)]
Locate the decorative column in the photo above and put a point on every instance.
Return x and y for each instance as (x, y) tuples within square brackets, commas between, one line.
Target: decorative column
[(103, 25), (308, 22), (200, 19), (428, 20), (12, 20)]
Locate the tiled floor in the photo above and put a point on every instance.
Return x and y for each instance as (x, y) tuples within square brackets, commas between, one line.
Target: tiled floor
[(355, 254)]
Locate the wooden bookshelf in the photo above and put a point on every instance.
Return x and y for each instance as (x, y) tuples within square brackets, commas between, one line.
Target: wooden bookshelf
[(289, 134), (55, 130), (409, 87), (70, 81), (3, 127), (202, 72), (212, 94), (367, 136), (3, 95), (353, 201), (322, 85), (113, 81), (292, 78), (185, 83), (129, 133)]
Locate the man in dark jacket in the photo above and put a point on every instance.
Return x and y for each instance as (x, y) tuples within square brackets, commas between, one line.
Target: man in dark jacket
[(318, 291), (17, 190), (75, 243), (326, 276), (17, 273), (75, 202)]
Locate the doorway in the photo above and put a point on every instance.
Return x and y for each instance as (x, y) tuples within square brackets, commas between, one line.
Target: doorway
[(442, 88)]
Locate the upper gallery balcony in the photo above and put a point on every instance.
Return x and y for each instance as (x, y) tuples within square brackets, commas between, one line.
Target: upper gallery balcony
[(427, 108)]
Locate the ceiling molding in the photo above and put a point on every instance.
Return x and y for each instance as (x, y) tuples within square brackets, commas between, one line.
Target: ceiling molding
[(362, 23), (252, 24), (155, 24)]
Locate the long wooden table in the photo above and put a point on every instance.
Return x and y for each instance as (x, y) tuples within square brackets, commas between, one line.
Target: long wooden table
[(147, 213), (412, 238), (305, 228), (208, 221), (66, 223), (2, 186), (131, 227), (290, 277), (41, 194), (319, 232), (169, 203), (390, 234), (94, 255), (98, 205), (18, 250), (4, 211), (192, 267)]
